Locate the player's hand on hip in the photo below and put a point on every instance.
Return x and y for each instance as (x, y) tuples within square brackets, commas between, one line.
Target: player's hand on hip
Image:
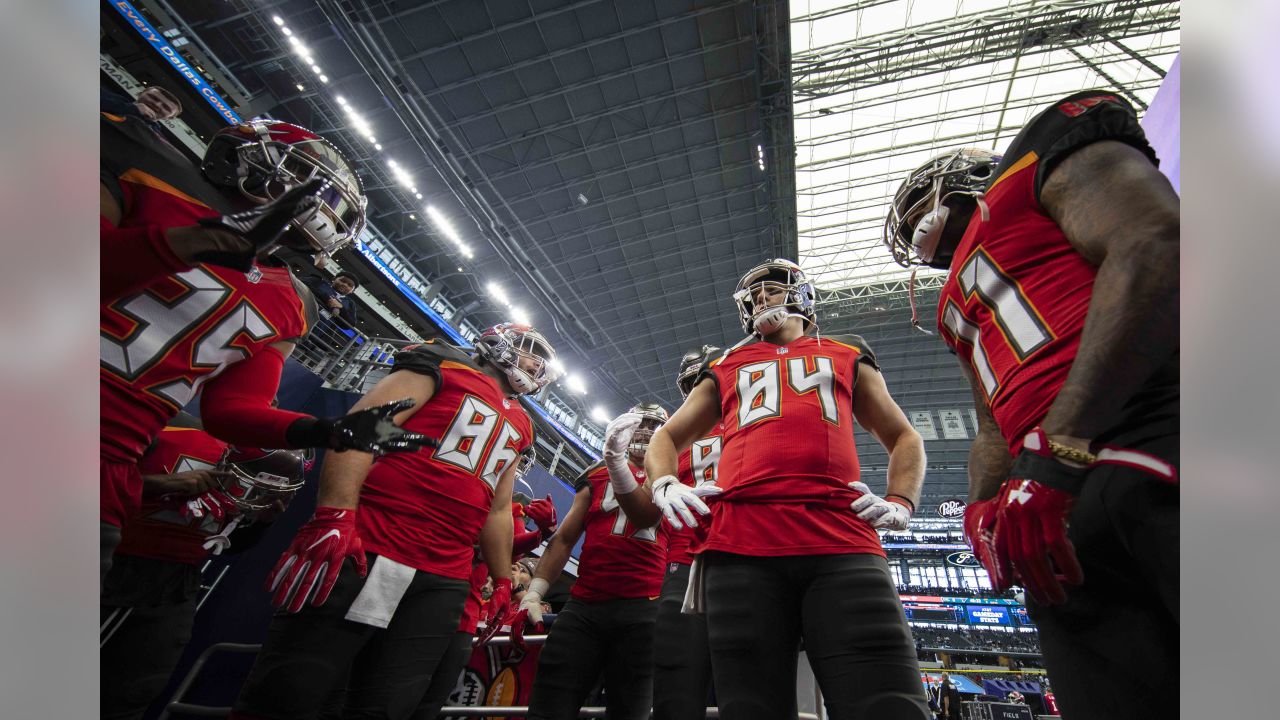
[(880, 513)]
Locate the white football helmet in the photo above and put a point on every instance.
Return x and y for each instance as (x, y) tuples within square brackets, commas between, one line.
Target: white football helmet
[(652, 417), (506, 344), (264, 159), (918, 215), (782, 274)]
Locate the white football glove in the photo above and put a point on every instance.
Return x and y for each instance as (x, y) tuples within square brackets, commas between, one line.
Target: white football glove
[(617, 437), (881, 514), (531, 603), (677, 501)]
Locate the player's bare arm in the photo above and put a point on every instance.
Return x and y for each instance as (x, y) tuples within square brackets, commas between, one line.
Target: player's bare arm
[(1122, 215), (877, 411), (108, 207), (639, 507), (344, 472), (695, 419), (498, 530), (989, 458)]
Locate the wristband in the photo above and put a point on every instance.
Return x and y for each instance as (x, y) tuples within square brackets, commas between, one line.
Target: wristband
[(309, 432), (620, 477), (910, 505), (538, 586)]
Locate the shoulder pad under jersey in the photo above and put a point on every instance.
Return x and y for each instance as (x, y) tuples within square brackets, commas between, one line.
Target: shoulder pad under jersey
[(865, 354), (1070, 124), (583, 480), (426, 358)]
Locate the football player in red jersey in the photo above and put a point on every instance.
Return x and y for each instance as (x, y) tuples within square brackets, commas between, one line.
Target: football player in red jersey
[(681, 658), (607, 625), (792, 550), (149, 598), (194, 301), (1062, 304), (410, 522)]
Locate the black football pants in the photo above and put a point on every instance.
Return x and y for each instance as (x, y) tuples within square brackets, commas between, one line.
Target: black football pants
[(681, 659), (614, 637), (386, 671), (1111, 651), (445, 678), (150, 606), (846, 609)]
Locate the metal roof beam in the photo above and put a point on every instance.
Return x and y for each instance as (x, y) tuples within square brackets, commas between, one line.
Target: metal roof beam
[(971, 40)]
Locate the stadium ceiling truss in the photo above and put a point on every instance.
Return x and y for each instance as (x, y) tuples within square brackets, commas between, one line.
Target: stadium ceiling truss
[(880, 86)]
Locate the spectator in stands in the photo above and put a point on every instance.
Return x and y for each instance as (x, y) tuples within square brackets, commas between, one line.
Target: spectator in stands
[(335, 296), (153, 104)]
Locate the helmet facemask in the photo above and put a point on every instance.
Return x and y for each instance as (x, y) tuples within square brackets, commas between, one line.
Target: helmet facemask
[(777, 277), (263, 479), (522, 354), (264, 160), (913, 231), (652, 417)]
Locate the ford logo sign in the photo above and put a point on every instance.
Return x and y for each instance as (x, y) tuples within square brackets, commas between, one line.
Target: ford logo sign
[(951, 508), (964, 558)]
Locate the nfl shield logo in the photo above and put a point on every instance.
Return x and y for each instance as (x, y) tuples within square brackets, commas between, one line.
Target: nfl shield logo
[(254, 274)]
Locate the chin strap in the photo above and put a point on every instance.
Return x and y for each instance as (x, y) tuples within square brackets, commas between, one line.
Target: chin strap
[(911, 295), (985, 211)]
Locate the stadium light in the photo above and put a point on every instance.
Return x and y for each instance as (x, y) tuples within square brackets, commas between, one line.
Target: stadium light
[(600, 415), (519, 315), (497, 293), (277, 20), (575, 384)]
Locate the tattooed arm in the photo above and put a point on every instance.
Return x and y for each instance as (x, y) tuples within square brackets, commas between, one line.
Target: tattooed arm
[(1122, 215)]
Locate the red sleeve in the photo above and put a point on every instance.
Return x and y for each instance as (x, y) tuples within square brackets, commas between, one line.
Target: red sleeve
[(236, 407), (133, 257), (524, 542)]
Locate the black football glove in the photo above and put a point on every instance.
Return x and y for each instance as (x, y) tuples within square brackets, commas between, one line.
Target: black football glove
[(258, 230), (370, 430)]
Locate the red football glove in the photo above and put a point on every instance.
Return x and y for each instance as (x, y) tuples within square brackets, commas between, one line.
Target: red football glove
[(519, 622), (543, 514), (499, 601), (310, 567), (214, 503), (1032, 527), (496, 613), (980, 531)]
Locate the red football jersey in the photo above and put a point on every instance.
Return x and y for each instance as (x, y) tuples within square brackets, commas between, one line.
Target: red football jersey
[(158, 346), (159, 531), (1014, 304), (788, 454), (698, 466), (425, 509), (618, 560)]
